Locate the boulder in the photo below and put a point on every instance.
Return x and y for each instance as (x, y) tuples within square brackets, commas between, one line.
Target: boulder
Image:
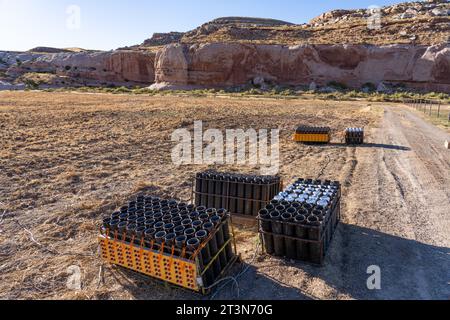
[(382, 88), (9, 86), (440, 12)]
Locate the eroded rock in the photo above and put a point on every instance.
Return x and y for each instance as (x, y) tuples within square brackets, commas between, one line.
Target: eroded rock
[(226, 65)]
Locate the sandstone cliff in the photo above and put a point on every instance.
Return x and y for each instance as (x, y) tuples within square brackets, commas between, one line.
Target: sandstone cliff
[(225, 64), (84, 68)]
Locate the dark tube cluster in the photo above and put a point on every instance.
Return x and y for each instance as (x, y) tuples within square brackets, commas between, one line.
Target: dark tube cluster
[(313, 130), (239, 194), (177, 229), (354, 136), (300, 222)]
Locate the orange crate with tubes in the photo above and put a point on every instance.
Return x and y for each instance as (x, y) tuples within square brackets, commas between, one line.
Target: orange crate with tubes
[(185, 267)]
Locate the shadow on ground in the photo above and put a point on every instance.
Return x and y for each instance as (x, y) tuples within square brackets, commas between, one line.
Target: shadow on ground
[(252, 285), (370, 145), (409, 270)]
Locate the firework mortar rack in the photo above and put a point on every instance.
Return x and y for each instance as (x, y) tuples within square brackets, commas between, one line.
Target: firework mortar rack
[(315, 135), (242, 195), (354, 136), (178, 243), (300, 222)]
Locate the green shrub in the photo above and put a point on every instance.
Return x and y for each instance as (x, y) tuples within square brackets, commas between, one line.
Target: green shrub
[(370, 87), (337, 85), (122, 90), (31, 84)]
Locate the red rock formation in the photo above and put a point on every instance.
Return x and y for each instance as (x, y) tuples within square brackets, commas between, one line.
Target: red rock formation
[(222, 65), (115, 67)]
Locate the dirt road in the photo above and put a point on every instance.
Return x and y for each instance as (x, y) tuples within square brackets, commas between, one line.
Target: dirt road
[(402, 219), (396, 216)]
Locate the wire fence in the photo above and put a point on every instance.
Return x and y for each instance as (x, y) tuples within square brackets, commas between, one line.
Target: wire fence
[(433, 109)]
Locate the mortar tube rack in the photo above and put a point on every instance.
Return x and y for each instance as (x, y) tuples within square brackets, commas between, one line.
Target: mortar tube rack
[(274, 187), (158, 250), (335, 212)]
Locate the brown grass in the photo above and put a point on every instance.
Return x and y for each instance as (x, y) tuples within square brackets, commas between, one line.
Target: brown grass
[(68, 159)]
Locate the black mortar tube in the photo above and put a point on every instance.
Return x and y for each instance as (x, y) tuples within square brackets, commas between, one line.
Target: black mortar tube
[(232, 195), (209, 226), (241, 196), (208, 254), (169, 242), (204, 190), (197, 225), (226, 192), (189, 233), (301, 232), (211, 190), (248, 204), (139, 235), (257, 196), (180, 241), (223, 214), (277, 229), (149, 236), (179, 231), (289, 230), (218, 192), (314, 233), (192, 245), (266, 226), (265, 191)]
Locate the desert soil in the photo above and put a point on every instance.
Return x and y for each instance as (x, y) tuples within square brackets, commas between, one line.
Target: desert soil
[(67, 160)]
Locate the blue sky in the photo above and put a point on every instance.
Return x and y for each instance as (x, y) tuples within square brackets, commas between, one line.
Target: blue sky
[(109, 24)]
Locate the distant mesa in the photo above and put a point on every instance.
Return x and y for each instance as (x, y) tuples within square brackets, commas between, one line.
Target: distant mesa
[(56, 50), (162, 39), (250, 21)]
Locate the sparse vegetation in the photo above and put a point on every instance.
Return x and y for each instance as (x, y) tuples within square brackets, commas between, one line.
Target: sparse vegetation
[(337, 85), (276, 92)]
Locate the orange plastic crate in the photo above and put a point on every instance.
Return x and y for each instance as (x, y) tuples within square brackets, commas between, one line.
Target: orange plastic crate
[(175, 270)]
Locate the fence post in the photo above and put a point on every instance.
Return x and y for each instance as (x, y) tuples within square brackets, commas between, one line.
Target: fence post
[(439, 110)]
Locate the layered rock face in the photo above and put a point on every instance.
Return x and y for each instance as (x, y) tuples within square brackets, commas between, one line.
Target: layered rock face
[(115, 67), (225, 65)]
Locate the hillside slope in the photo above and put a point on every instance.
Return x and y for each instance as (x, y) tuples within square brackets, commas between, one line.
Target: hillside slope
[(423, 23)]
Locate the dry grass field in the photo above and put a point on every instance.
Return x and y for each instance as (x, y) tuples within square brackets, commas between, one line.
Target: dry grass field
[(68, 159)]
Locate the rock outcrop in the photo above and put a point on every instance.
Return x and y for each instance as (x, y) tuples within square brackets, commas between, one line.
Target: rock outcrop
[(86, 68), (225, 65), (423, 23), (162, 39)]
